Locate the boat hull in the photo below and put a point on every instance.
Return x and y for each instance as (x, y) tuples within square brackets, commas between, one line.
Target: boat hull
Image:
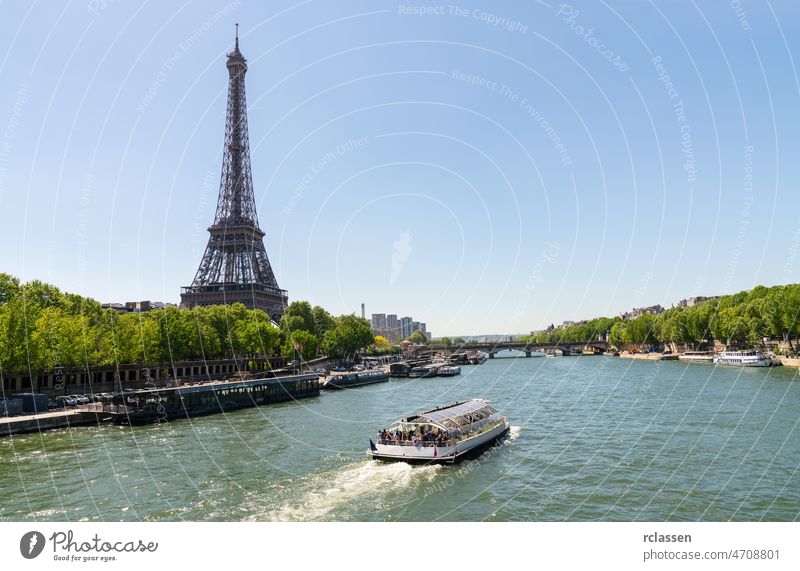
[(762, 363), (348, 382), (215, 398), (696, 359), (449, 455)]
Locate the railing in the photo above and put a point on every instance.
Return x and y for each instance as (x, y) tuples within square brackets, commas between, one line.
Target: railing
[(415, 444), (480, 427)]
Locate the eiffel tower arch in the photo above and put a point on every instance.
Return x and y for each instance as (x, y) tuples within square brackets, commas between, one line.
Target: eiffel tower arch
[(235, 266)]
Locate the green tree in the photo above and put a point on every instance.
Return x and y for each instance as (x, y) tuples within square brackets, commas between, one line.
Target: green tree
[(9, 287), (619, 334), (323, 322), (258, 336), (298, 316), (350, 335), (418, 337), (304, 343)]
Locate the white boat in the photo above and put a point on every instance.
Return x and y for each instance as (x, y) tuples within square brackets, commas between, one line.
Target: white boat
[(743, 359), (697, 356), (443, 435), (449, 371)]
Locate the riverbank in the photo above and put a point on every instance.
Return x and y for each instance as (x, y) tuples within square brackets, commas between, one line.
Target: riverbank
[(785, 361), (649, 356)]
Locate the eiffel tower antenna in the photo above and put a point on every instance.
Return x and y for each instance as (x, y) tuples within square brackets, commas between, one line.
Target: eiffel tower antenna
[(235, 267)]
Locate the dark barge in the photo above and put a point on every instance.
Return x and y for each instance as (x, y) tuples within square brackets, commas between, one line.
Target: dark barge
[(403, 368), (154, 406), (351, 380)]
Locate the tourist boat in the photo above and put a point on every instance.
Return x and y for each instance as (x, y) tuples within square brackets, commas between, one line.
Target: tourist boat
[(443, 435), (351, 380), (697, 356), (154, 406), (743, 359), (449, 371)]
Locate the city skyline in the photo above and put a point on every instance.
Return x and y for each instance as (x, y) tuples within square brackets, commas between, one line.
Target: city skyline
[(488, 169)]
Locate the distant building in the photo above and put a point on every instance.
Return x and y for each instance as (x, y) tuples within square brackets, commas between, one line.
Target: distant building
[(378, 321), (142, 306), (692, 301), (393, 327), (118, 307), (405, 327), (637, 311), (396, 328)]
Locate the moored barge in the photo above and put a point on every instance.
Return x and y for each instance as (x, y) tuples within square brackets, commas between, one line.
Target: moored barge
[(351, 380), (697, 356), (153, 406), (443, 435), (423, 372), (449, 371)]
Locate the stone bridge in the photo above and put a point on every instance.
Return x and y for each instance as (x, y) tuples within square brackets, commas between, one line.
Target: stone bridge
[(492, 348)]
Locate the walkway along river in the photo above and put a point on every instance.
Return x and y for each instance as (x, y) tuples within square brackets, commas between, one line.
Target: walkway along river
[(593, 438)]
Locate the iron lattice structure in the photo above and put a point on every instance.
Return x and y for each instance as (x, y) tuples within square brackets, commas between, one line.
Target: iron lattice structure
[(235, 266)]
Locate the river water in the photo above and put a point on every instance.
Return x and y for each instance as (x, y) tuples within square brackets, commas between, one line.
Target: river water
[(593, 438)]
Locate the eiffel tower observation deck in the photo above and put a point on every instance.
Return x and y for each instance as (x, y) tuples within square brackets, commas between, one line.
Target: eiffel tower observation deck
[(235, 267)]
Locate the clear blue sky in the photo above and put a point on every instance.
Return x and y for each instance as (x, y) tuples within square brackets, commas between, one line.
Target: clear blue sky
[(490, 167)]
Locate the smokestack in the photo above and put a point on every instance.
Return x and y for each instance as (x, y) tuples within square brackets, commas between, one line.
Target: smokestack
[(363, 314)]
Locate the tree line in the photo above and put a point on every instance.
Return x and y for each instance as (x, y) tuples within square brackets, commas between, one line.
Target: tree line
[(743, 319), (42, 328)]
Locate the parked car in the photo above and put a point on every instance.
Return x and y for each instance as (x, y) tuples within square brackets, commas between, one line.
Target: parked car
[(357, 368), (65, 401), (81, 399), (320, 371), (339, 369)]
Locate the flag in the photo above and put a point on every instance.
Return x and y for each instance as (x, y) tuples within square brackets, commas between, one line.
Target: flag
[(372, 446)]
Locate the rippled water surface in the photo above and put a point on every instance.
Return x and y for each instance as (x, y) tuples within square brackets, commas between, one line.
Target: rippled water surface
[(593, 438)]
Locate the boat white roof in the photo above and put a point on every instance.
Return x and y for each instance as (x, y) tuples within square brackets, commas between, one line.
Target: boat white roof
[(438, 415)]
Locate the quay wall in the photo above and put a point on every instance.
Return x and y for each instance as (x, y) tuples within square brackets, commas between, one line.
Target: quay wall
[(641, 356), (789, 361), (34, 423)]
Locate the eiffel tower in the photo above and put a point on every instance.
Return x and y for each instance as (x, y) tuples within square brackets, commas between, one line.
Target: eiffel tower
[(235, 266)]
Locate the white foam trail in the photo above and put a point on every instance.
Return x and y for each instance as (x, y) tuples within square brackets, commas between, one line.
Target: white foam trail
[(331, 490), (513, 433)]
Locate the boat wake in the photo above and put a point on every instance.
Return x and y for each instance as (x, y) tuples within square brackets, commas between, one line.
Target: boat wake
[(322, 494), (513, 433)]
